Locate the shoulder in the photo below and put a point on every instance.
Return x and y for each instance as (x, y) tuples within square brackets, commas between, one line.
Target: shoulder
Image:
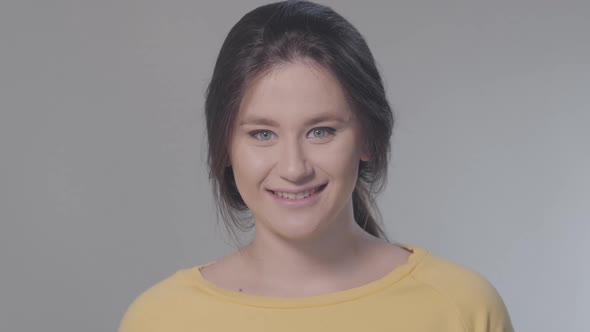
[(476, 300), (157, 304)]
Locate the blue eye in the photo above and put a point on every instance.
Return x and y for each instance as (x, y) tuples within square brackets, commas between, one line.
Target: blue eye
[(321, 132), (263, 135)]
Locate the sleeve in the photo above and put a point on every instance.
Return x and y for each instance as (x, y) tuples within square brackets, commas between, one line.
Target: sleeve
[(478, 304), (482, 307), (160, 308), (151, 311), (138, 318)]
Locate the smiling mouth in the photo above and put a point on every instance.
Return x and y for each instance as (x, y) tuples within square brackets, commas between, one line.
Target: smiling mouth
[(298, 195)]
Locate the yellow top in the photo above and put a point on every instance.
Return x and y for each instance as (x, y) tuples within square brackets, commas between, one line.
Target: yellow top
[(425, 294)]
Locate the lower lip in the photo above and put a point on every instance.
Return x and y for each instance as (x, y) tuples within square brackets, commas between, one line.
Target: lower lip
[(298, 203)]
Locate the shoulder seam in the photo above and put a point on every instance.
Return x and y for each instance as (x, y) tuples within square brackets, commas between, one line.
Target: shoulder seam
[(445, 296)]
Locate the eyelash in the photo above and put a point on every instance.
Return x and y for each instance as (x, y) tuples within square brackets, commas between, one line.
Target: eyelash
[(329, 131), (256, 133)]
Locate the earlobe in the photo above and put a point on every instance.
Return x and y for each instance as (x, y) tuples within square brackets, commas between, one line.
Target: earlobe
[(365, 157)]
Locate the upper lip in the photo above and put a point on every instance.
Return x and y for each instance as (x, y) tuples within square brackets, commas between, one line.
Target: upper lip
[(299, 190)]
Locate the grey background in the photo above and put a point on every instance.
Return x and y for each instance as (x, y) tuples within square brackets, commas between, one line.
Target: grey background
[(103, 190)]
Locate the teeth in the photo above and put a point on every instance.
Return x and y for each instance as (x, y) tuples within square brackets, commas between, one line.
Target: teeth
[(299, 195)]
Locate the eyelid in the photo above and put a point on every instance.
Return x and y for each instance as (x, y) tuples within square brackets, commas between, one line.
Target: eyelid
[(330, 131), (253, 134)]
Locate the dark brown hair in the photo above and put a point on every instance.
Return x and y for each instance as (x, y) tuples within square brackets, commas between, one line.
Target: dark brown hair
[(285, 32)]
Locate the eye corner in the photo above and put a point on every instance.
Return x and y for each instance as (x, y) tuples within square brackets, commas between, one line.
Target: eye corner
[(328, 130), (328, 133), (257, 134)]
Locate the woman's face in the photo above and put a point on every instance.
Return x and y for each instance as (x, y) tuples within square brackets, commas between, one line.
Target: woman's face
[(295, 151)]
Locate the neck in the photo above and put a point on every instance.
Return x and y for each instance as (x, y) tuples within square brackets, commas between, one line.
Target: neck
[(318, 262)]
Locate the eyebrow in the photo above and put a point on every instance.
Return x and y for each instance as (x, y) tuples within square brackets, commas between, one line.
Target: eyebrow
[(255, 120)]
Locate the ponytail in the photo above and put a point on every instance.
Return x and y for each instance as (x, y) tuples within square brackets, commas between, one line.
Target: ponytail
[(364, 210)]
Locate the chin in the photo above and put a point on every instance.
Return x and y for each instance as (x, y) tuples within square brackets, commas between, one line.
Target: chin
[(298, 229)]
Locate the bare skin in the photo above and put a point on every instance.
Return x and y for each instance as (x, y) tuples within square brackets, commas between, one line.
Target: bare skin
[(295, 152), (372, 260)]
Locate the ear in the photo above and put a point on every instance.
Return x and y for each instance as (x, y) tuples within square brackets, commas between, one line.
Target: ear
[(365, 155)]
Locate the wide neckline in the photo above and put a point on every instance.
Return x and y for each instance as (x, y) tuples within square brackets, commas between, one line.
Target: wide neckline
[(196, 278)]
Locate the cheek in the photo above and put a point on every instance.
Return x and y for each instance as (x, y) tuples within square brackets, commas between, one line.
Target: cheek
[(249, 166), (338, 161)]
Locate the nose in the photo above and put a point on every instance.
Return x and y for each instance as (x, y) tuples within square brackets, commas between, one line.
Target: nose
[(293, 165)]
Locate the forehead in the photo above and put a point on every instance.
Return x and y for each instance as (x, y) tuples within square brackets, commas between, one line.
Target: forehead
[(294, 91)]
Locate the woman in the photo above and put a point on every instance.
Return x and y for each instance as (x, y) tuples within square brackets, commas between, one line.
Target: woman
[(298, 129)]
